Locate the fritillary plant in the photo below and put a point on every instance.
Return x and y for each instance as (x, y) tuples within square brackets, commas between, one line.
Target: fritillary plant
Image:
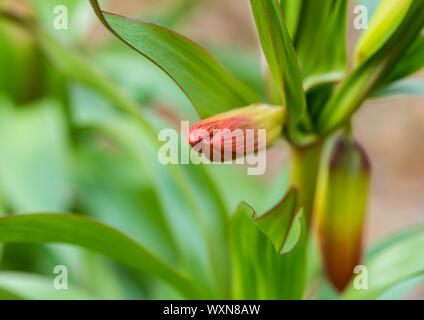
[(310, 244)]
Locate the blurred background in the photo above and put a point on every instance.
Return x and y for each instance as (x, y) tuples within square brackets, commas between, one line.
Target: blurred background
[(51, 160)]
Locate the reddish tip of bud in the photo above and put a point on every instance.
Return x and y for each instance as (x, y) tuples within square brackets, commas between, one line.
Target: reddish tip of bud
[(205, 129), (349, 151), (237, 132), (221, 140)]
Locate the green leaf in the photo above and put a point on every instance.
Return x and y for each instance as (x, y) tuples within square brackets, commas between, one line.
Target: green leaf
[(402, 258), (371, 5), (281, 221), (384, 23), (165, 181), (412, 61), (363, 80), (321, 41), (293, 235), (259, 270), (407, 87), (210, 87), (8, 295), (122, 198), (282, 61), (403, 288), (193, 210), (386, 242), (291, 10), (90, 234), (29, 286)]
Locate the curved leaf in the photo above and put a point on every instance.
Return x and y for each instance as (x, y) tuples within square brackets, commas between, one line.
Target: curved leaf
[(411, 62), (407, 87), (321, 41), (371, 5), (277, 222), (402, 258), (28, 286), (392, 239), (90, 234), (210, 87), (363, 80), (8, 295), (259, 270), (385, 21), (194, 211), (293, 235), (401, 289), (291, 10), (283, 64)]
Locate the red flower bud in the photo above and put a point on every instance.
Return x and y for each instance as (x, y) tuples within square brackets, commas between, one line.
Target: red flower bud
[(237, 132)]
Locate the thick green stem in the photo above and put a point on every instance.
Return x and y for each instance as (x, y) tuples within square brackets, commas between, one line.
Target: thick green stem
[(305, 168)]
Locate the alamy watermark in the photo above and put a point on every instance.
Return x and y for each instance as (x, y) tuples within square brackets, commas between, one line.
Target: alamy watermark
[(361, 17), (60, 22), (360, 282), (221, 146), (60, 282)]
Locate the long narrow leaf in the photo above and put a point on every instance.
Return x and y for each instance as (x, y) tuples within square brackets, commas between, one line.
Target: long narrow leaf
[(194, 213), (407, 87), (411, 62), (262, 264), (384, 23), (321, 41), (90, 234), (291, 10), (363, 80), (277, 222), (170, 184), (282, 61), (30, 286), (401, 259), (210, 87)]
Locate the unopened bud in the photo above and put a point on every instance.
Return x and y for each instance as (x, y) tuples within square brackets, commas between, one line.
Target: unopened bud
[(237, 132), (385, 21), (341, 211)]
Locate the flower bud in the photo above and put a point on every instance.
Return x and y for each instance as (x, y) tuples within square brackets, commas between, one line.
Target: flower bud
[(384, 23), (341, 208), (237, 132)]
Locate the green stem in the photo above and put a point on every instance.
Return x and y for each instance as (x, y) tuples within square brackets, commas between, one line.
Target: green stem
[(305, 168)]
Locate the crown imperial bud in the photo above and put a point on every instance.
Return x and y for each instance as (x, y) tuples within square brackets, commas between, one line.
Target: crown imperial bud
[(341, 211), (384, 23), (237, 132)]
